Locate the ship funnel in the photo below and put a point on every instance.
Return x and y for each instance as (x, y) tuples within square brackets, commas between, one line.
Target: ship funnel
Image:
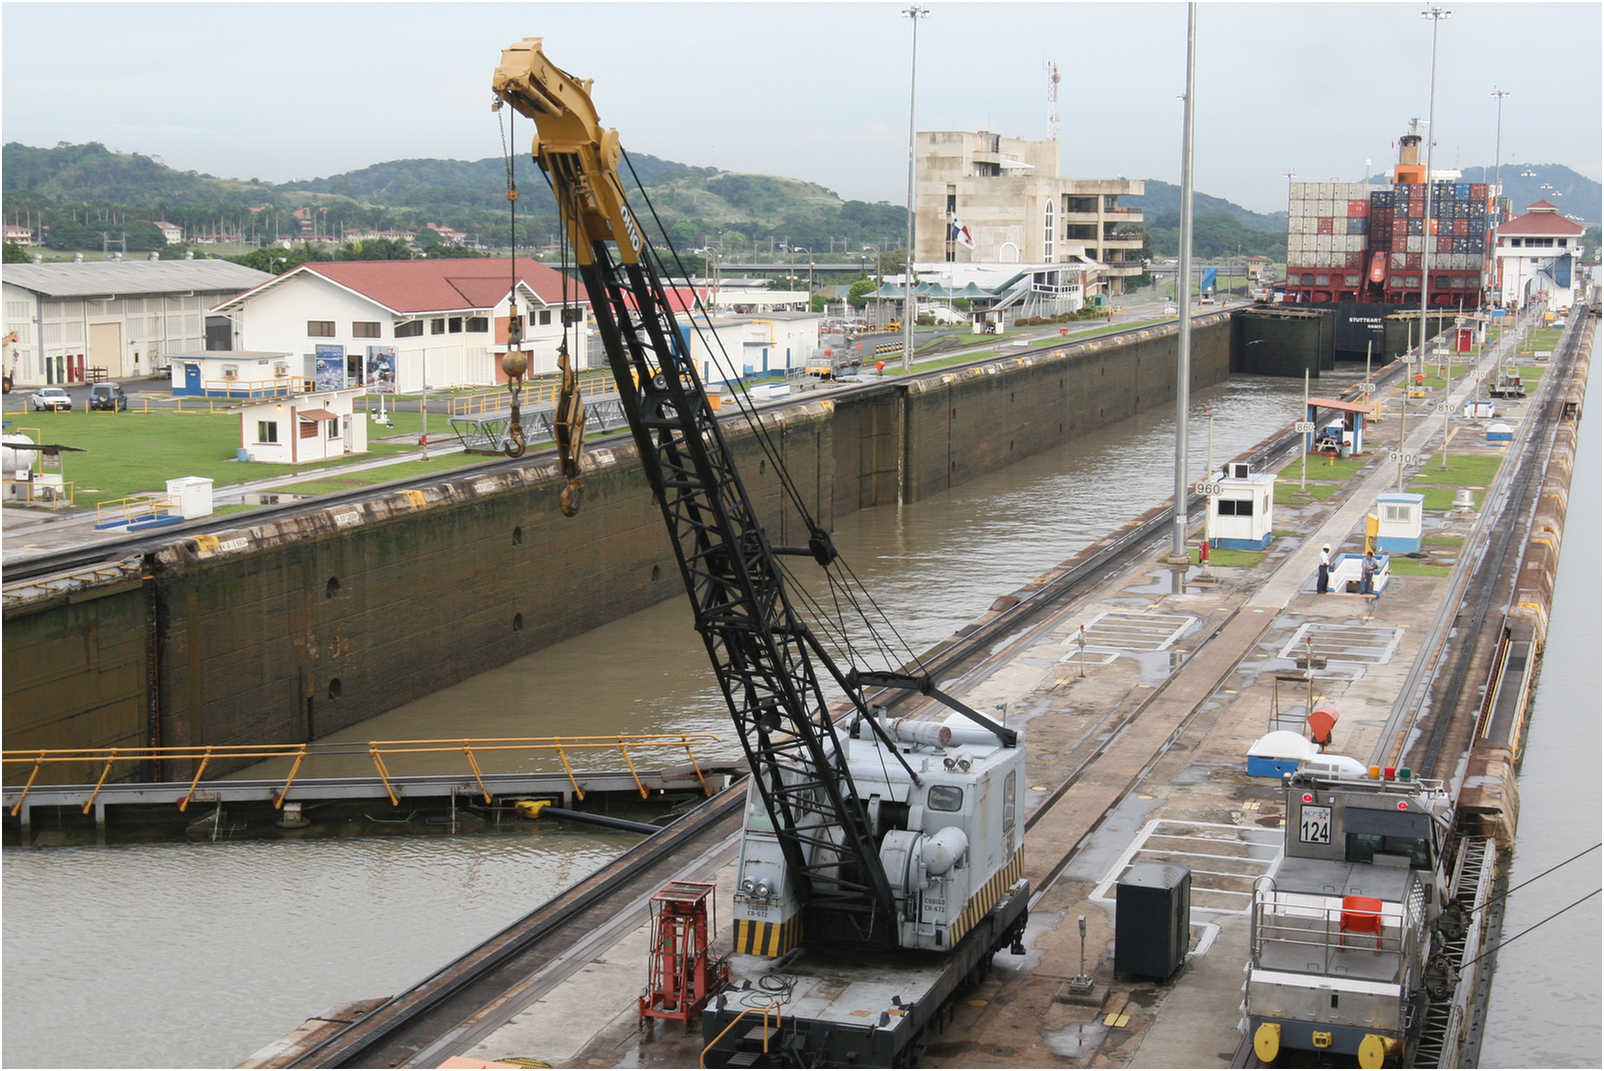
[(1409, 149)]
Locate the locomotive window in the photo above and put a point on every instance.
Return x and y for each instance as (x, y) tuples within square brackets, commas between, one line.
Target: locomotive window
[(1363, 847), (945, 797), (1008, 805)]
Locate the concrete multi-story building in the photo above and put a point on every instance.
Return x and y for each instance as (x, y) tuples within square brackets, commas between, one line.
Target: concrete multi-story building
[(1537, 254), (1011, 206), (122, 318)]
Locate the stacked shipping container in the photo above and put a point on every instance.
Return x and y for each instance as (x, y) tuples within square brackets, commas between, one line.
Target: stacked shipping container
[(1327, 227), (1347, 242)]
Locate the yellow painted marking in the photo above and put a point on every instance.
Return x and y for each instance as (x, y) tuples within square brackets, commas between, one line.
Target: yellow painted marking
[(862, 1013), (1116, 1019), (414, 496), (977, 1002), (206, 542)]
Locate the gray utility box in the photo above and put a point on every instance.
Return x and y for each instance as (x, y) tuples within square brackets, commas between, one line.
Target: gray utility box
[(1152, 917)]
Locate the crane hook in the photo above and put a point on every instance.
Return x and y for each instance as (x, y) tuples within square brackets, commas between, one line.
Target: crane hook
[(515, 363)]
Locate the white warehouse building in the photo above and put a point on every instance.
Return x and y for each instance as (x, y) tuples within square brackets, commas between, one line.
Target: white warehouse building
[(406, 324), (123, 318)]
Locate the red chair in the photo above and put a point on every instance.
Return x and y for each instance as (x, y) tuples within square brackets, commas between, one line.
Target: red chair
[(1360, 914)]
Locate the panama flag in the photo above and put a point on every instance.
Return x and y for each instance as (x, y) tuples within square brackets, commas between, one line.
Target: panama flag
[(961, 234)]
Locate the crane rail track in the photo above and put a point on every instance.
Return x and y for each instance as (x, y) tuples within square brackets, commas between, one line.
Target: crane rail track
[(404, 1025)]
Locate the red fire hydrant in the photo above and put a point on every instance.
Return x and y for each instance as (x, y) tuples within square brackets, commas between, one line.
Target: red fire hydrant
[(1203, 552)]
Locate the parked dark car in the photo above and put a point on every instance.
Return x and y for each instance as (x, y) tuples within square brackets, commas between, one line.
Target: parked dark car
[(107, 396)]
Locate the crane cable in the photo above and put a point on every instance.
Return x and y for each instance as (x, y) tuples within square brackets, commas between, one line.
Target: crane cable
[(761, 433), (514, 363)]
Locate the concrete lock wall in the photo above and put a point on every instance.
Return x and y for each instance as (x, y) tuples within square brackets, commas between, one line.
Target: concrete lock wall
[(301, 626), (76, 673)]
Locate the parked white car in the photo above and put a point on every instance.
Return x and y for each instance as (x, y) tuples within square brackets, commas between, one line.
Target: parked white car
[(50, 398)]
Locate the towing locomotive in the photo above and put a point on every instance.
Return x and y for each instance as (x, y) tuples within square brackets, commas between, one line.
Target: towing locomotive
[(1342, 932)]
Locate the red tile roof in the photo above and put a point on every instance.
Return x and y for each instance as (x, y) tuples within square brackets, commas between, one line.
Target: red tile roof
[(680, 298), (443, 285), (1541, 218)]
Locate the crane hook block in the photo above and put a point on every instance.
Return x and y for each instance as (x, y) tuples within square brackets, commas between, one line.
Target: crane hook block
[(573, 495)]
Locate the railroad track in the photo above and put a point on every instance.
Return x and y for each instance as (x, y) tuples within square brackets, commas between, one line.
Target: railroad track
[(118, 549), (1487, 575), (410, 1023)]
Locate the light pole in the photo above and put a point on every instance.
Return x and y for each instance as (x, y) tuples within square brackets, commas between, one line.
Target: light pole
[(1436, 15), (877, 282), (1498, 187), (809, 252), (913, 14), (1183, 362)]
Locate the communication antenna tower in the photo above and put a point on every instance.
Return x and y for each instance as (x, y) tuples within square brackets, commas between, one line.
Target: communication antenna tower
[(1052, 101)]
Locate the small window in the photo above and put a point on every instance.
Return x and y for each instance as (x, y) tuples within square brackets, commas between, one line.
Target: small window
[(454, 325), (267, 431), (1009, 809), (1236, 507), (478, 325), (410, 329), (365, 329), (945, 798), (320, 329), (437, 326), (334, 428), (545, 316), (573, 314), (1396, 513)]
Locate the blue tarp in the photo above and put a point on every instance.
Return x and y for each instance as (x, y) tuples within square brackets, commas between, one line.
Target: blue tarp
[(1209, 275)]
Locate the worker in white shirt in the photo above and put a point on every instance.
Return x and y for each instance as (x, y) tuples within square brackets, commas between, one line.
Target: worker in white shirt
[(1323, 582)]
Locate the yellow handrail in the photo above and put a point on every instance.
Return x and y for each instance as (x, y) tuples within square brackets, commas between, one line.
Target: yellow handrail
[(774, 1004), (377, 750), (132, 506)]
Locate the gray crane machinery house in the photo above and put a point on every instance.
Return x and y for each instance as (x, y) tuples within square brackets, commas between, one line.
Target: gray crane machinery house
[(113, 319)]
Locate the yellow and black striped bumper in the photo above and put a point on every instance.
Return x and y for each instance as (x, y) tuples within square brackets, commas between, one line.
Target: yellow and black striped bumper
[(986, 899), (755, 938)]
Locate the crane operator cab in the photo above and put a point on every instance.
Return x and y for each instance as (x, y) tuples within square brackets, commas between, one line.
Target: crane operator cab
[(951, 844)]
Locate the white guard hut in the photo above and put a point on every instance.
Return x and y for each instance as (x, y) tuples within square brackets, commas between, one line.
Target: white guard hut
[(1241, 515), (303, 427), (1400, 516)]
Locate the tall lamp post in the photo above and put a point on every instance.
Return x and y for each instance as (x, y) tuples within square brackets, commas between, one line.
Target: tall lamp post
[(1183, 275), (913, 14), (1498, 187), (809, 252), (1436, 15)]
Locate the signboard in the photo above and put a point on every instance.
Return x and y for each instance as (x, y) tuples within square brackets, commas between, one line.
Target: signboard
[(1314, 824), (379, 372), (1204, 488), (1303, 427), (1403, 457), (329, 367)]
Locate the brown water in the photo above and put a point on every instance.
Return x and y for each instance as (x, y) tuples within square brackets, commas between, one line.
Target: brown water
[(196, 955)]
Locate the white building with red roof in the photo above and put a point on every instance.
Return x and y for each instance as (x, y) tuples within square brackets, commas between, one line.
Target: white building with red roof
[(1537, 257), (411, 323)]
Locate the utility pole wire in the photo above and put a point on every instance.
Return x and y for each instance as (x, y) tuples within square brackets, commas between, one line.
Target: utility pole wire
[(1528, 881), (1529, 929)]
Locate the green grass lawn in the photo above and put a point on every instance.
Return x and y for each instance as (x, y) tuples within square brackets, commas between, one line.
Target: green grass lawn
[(1443, 540), (1322, 468), (1464, 470), (407, 423), (132, 453), (1401, 566), (401, 470), (1440, 498), (1287, 493), (1230, 558)]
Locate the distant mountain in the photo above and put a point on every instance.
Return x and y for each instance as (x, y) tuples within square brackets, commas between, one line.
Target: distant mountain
[(1220, 227), (69, 184), (1164, 199)]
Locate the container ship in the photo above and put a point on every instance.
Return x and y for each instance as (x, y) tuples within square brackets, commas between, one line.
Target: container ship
[(1360, 249)]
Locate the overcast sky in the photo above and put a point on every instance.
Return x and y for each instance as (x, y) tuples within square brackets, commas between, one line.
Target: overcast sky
[(813, 91)]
